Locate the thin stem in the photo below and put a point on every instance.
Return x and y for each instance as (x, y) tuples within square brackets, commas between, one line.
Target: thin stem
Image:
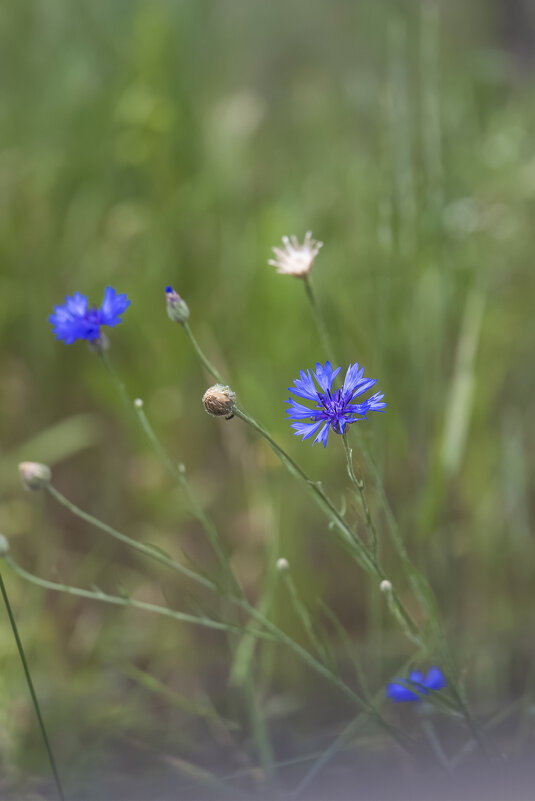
[(177, 471), (355, 546), (359, 484), (118, 600), (147, 550), (319, 319), (272, 633), (200, 353), (30, 685), (303, 614)]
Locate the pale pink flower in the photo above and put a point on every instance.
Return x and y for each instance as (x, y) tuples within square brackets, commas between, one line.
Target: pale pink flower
[(296, 259)]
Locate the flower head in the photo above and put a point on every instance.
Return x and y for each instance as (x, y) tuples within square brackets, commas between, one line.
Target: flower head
[(334, 409), (400, 689), (75, 320), (220, 401), (296, 259)]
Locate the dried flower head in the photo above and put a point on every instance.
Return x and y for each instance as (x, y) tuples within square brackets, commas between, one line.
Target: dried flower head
[(220, 401), (75, 320), (34, 475), (177, 308), (332, 409), (295, 259)]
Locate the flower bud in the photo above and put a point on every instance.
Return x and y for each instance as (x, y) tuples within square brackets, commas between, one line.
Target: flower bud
[(138, 403), (4, 545), (177, 308), (385, 586), (35, 476), (283, 565), (219, 401)]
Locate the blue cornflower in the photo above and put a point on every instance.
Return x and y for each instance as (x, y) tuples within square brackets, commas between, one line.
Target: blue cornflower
[(399, 690), (75, 320), (333, 408)]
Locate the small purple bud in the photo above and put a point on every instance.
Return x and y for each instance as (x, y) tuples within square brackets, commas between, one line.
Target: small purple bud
[(177, 308)]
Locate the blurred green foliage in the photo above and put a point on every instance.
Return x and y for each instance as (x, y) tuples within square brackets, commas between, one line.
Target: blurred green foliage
[(174, 142)]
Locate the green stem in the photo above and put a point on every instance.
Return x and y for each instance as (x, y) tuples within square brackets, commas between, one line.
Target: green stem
[(272, 633), (358, 483), (30, 685), (353, 545), (118, 600), (147, 550), (319, 319), (206, 362), (177, 471)]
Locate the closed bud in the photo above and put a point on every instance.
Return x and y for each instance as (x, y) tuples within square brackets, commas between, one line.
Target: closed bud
[(219, 401), (177, 308), (4, 545), (385, 586), (35, 476), (283, 565)]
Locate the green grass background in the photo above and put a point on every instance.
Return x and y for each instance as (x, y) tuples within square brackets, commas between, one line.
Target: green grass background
[(148, 143)]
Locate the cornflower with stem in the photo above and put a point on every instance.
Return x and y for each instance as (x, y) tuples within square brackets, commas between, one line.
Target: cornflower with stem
[(365, 556), (356, 547), (418, 581), (4, 548)]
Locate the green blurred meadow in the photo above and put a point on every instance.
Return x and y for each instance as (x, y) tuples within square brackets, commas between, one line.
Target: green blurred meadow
[(154, 142)]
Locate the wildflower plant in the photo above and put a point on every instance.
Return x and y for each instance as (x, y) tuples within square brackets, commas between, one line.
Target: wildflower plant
[(318, 407)]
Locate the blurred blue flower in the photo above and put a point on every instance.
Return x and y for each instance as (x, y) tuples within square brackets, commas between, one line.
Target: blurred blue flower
[(335, 409), (399, 690), (75, 320)]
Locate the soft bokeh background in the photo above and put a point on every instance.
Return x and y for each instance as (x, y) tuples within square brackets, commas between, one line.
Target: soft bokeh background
[(148, 142)]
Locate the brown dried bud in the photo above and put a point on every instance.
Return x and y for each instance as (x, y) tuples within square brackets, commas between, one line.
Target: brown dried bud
[(219, 401)]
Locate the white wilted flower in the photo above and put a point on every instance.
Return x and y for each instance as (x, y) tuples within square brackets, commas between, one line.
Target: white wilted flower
[(295, 259)]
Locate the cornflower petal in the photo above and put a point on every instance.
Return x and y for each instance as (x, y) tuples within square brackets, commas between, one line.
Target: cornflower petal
[(325, 375), (297, 410), (305, 387), (435, 679), (364, 384), (305, 429), (322, 435), (399, 693), (113, 306), (353, 375)]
